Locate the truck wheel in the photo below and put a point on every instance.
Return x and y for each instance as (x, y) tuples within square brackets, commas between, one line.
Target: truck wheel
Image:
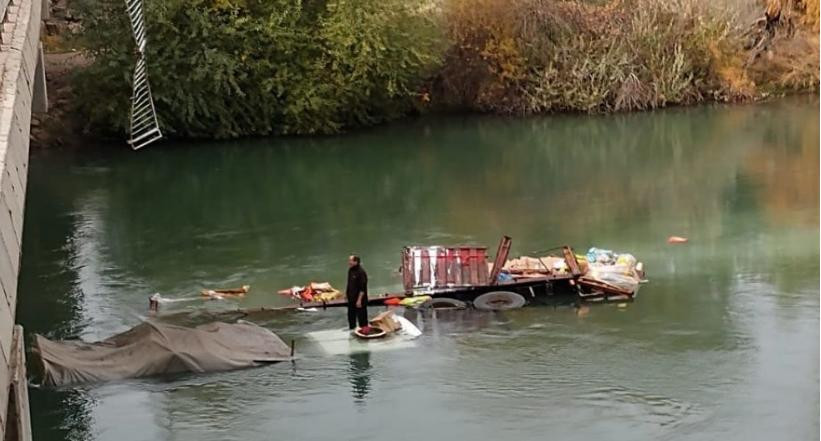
[(499, 301), (445, 303)]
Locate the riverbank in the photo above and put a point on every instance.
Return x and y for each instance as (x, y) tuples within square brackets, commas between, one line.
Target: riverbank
[(480, 56)]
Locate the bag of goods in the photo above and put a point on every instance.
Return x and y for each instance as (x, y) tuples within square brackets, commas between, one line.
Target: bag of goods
[(598, 255), (414, 301), (614, 275), (627, 261), (614, 269), (313, 292)]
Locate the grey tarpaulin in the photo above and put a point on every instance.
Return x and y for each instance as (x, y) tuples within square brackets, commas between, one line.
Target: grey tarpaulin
[(153, 348)]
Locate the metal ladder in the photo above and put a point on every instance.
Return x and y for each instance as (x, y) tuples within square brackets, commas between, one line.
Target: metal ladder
[(144, 128)]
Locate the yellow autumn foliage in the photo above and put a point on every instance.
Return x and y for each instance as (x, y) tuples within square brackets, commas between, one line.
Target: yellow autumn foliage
[(535, 56)]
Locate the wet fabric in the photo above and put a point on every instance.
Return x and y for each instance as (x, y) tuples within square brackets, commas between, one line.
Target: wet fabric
[(153, 348)]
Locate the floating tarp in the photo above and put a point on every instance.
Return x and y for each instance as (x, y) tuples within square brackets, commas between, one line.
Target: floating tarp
[(153, 348)]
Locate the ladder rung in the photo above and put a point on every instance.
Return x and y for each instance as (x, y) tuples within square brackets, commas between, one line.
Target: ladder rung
[(145, 135)]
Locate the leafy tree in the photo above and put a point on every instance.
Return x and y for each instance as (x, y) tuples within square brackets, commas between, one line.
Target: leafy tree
[(228, 68)]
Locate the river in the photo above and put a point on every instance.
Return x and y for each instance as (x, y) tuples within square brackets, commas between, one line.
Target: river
[(722, 343)]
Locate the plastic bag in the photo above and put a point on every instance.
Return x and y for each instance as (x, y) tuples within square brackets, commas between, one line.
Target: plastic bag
[(619, 276), (597, 255), (626, 260)]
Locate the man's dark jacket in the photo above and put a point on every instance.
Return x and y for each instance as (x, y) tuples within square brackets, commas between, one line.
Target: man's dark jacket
[(357, 282)]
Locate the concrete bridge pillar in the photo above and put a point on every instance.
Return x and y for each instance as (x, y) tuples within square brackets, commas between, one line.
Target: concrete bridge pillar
[(22, 89), (39, 102)]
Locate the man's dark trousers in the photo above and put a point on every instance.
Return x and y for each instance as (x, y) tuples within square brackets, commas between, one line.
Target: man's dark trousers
[(357, 314)]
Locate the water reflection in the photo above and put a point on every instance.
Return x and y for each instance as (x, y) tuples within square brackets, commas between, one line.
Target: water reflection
[(360, 375), (68, 417)]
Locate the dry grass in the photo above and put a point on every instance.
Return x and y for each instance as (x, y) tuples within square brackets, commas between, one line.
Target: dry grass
[(789, 60), (534, 56), (790, 65), (811, 13)]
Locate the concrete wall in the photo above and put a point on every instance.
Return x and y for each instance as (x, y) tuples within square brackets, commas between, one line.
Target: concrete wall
[(20, 52)]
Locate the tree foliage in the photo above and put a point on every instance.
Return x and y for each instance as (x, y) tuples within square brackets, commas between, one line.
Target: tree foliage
[(228, 68)]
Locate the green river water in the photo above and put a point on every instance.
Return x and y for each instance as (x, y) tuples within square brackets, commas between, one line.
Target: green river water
[(722, 343)]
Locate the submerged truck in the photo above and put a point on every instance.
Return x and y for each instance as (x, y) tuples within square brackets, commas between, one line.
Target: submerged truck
[(463, 276), (459, 276)]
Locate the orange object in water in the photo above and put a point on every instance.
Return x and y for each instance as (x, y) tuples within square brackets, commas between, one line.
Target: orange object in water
[(392, 301), (676, 239), (308, 294)]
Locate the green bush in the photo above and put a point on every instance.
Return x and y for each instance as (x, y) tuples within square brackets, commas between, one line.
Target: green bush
[(228, 68)]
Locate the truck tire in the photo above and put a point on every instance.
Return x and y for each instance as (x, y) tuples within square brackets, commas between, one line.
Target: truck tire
[(498, 301), (445, 303)]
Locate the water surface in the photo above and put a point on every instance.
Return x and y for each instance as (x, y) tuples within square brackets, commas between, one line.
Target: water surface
[(721, 344)]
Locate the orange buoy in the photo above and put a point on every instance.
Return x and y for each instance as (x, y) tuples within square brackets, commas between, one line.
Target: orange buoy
[(676, 239)]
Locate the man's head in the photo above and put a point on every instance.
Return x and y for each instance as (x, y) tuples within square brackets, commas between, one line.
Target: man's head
[(353, 260)]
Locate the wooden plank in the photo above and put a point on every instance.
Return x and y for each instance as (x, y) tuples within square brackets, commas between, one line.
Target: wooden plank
[(502, 253), (603, 286), (570, 259)]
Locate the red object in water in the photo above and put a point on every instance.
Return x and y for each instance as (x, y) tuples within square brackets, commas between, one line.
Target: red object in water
[(365, 330), (393, 301), (308, 294), (676, 239)]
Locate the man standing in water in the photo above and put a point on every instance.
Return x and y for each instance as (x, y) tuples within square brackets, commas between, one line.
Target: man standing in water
[(357, 294)]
